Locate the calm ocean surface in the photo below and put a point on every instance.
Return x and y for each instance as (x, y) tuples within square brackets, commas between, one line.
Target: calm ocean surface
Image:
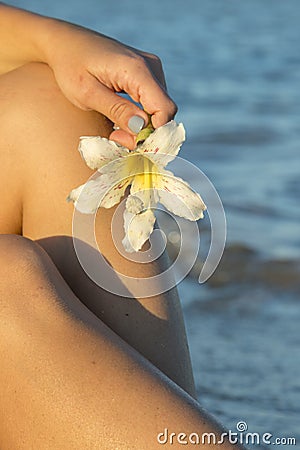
[(234, 69)]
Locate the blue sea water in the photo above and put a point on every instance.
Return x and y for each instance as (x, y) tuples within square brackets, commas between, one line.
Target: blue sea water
[(233, 67)]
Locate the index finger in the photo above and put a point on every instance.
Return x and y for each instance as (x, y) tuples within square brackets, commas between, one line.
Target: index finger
[(157, 102), (145, 83), (155, 66)]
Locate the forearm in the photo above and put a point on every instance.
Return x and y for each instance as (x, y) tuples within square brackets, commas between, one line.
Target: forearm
[(22, 36), (28, 37)]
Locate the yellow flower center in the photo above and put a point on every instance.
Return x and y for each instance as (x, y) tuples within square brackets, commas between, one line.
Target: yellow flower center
[(143, 170)]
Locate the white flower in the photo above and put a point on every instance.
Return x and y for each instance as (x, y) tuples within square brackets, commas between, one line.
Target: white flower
[(144, 170)]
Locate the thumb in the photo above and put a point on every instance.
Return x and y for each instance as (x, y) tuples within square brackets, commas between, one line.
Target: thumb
[(119, 110)]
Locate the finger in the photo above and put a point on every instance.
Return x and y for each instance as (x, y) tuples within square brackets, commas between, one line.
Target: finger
[(155, 66), (123, 138), (119, 110), (154, 99), (148, 88)]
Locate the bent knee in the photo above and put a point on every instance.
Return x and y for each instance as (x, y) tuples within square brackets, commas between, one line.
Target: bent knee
[(18, 254), (21, 264), (24, 267), (29, 285), (39, 134), (38, 122)]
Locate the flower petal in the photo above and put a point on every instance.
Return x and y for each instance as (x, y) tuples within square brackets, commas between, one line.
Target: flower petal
[(104, 189), (87, 197), (98, 151), (164, 143), (138, 228), (115, 194), (178, 197), (117, 176)]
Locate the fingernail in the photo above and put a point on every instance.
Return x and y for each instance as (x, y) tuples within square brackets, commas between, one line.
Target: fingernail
[(135, 124)]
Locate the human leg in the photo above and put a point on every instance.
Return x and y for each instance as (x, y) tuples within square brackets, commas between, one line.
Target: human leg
[(67, 380), (42, 130)]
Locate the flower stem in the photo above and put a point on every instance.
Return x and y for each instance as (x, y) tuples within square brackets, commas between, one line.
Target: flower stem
[(145, 132)]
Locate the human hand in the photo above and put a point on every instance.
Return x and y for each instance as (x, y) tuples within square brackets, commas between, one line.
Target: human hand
[(91, 69)]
